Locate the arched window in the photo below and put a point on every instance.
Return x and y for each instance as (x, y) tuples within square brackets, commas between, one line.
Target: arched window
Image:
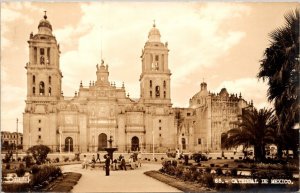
[(150, 83), (49, 79), (164, 94), (157, 91), (151, 94), (33, 79), (165, 84), (33, 90), (42, 88), (49, 91)]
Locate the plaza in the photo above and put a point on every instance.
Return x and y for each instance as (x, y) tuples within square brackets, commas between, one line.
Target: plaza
[(94, 180)]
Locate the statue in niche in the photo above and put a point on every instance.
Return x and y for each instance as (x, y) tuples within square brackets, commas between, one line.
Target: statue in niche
[(42, 60), (157, 91), (156, 66)]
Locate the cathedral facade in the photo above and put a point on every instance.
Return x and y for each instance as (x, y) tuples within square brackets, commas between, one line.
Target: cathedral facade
[(101, 111)]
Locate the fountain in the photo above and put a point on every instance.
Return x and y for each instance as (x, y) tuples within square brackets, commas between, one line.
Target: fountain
[(110, 150)]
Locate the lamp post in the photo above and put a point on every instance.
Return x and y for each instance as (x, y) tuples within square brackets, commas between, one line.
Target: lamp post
[(60, 142), (17, 141), (152, 143), (69, 140)]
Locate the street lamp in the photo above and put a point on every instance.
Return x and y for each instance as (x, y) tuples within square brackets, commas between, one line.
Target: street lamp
[(69, 144), (59, 141), (17, 141), (152, 143)]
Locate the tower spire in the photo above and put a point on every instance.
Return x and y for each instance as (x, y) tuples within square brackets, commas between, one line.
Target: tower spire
[(101, 43), (45, 16), (154, 23)]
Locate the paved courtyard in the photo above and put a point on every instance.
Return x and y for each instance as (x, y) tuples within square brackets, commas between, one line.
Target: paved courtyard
[(119, 181)]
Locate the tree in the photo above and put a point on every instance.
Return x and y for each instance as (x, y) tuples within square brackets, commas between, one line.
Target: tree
[(39, 153), (280, 68), (253, 130)]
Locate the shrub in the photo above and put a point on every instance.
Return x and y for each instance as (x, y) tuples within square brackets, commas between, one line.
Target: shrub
[(208, 170), (179, 171), (187, 175), (21, 170), (39, 153), (7, 166), (35, 169), (66, 159), (7, 157), (219, 171), (208, 180), (233, 172), (28, 160), (43, 174), (174, 163)]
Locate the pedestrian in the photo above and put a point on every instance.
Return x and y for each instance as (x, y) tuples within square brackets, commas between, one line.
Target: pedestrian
[(98, 157), (139, 157), (84, 163), (123, 163), (107, 165), (93, 159)]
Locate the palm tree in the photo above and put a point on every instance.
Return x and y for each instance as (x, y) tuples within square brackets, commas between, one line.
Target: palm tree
[(280, 67), (253, 130)]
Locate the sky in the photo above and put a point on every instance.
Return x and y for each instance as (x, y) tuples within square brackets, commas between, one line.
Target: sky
[(219, 43)]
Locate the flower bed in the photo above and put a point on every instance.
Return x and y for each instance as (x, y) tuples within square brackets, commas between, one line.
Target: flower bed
[(224, 178), (40, 177)]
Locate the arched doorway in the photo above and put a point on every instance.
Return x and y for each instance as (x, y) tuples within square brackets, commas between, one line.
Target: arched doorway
[(69, 144), (183, 143), (102, 141), (135, 142)]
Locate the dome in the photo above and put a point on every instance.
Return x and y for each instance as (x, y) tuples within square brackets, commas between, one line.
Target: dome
[(154, 34), (223, 92), (45, 23), (45, 27)]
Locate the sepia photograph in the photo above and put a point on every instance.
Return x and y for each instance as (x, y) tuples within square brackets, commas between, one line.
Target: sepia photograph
[(150, 96)]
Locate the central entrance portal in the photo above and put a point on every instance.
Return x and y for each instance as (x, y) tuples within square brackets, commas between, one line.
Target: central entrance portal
[(102, 142), (135, 144)]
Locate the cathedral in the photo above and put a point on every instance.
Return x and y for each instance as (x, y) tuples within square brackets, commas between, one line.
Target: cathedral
[(101, 111)]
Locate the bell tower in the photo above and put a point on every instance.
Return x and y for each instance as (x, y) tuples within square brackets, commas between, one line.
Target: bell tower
[(43, 88), (155, 77), (43, 72)]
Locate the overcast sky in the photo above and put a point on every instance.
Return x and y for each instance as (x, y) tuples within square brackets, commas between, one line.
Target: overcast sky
[(221, 43)]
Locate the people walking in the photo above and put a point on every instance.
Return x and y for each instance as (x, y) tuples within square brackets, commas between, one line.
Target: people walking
[(139, 158), (98, 157), (107, 165), (84, 163)]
